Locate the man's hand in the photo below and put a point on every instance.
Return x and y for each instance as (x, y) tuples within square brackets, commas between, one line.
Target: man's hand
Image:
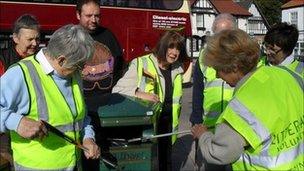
[(29, 128), (93, 151), (197, 130), (147, 96)]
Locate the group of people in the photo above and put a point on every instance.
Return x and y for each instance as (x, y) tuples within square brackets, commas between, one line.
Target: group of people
[(46, 85), (243, 105), (247, 113)]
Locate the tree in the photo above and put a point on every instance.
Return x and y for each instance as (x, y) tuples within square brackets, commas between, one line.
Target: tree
[(271, 9)]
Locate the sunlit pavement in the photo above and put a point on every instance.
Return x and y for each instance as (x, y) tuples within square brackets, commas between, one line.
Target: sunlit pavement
[(183, 157)]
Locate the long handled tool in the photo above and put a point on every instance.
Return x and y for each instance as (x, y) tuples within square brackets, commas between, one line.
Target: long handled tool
[(143, 139), (70, 140)]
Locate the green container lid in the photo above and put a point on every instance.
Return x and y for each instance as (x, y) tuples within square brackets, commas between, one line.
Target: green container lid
[(122, 110)]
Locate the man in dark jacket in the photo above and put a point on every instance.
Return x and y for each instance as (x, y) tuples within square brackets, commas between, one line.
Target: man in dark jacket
[(97, 92)]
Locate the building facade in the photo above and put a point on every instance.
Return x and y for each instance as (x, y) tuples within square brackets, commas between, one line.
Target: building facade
[(246, 12), (257, 25)]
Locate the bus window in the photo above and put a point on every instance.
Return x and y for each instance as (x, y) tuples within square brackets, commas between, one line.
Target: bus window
[(51, 1), (148, 4)]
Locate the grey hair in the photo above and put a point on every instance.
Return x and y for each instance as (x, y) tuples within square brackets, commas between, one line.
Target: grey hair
[(26, 21), (73, 42), (223, 21)]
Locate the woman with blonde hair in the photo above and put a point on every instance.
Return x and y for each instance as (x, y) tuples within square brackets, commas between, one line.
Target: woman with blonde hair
[(249, 132)]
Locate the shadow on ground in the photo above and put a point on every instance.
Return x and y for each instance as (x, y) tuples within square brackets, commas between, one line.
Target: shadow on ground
[(181, 151)]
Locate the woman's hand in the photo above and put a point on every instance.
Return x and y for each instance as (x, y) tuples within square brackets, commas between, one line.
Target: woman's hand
[(93, 151), (198, 130), (147, 96)]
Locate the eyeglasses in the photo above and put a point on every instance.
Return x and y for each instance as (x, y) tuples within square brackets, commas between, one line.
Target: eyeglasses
[(269, 50)]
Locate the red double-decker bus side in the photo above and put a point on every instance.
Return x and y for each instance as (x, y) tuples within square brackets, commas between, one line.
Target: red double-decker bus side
[(137, 29)]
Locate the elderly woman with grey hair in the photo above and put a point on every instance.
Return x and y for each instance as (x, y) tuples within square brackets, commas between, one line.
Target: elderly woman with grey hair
[(259, 128), (25, 41), (46, 88)]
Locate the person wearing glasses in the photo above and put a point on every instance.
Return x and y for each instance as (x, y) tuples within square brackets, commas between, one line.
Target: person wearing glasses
[(98, 83), (260, 127), (47, 86), (279, 43)]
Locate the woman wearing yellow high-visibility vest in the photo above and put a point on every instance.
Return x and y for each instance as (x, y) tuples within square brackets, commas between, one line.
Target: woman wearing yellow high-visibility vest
[(158, 77), (46, 87), (261, 128), (279, 43)]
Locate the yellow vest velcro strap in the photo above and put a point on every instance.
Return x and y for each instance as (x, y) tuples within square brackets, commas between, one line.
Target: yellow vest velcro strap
[(297, 77), (77, 126), (248, 117), (41, 102), (274, 161), (19, 167)]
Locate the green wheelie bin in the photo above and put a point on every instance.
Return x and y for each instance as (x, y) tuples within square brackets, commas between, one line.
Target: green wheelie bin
[(126, 122)]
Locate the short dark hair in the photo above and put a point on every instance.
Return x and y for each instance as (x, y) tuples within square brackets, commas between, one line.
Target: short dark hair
[(80, 3), (283, 35), (171, 39), (26, 21)]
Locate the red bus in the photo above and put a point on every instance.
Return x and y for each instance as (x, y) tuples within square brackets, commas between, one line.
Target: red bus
[(137, 24)]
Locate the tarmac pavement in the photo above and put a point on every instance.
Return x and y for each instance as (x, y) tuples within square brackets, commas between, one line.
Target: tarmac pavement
[(183, 153)]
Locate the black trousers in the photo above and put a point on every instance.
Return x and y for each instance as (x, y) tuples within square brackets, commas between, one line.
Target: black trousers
[(101, 141), (164, 143)]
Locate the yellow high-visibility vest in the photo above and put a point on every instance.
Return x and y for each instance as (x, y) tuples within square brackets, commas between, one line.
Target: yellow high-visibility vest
[(48, 104)]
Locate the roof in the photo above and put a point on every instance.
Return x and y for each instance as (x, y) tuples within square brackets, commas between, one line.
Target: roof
[(293, 4), (228, 6)]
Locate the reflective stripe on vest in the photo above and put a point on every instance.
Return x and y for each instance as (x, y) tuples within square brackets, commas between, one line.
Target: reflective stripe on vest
[(273, 129), (54, 152), (264, 159), (142, 85), (41, 102), (217, 83), (23, 168), (42, 107), (145, 84), (300, 68), (296, 76), (297, 67)]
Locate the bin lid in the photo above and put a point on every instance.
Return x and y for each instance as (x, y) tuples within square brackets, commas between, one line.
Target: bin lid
[(123, 110)]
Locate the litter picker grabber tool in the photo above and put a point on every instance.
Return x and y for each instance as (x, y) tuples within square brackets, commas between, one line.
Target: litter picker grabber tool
[(145, 138), (70, 140)]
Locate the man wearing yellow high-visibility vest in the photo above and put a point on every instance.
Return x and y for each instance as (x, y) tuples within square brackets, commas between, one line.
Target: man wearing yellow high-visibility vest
[(158, 77), (279, 43), (210, 94), (261, 128), (46, 86)]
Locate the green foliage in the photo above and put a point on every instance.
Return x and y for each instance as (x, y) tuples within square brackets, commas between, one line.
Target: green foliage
[(271, 9)]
